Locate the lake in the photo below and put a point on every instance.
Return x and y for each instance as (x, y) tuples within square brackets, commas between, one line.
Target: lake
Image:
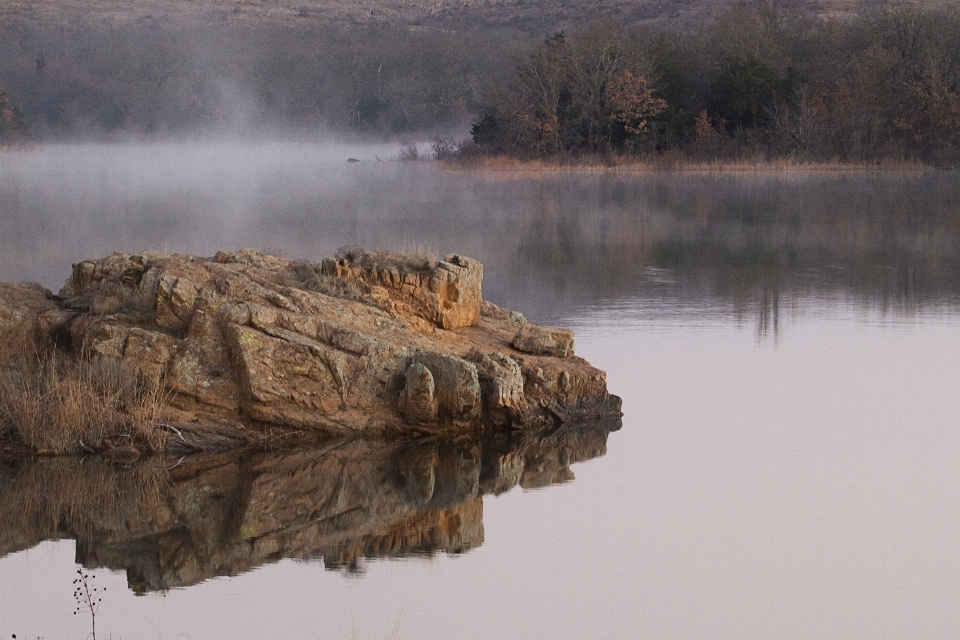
[(786, 344)]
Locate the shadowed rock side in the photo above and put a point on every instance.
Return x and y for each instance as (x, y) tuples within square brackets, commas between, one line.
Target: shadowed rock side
[(225, 514), (372, 344)]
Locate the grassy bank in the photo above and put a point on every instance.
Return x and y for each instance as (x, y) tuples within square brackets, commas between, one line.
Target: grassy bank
[(674, 162)]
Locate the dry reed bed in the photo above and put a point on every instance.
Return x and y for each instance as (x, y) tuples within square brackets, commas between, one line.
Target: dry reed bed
[(673, 163), (59, 404)]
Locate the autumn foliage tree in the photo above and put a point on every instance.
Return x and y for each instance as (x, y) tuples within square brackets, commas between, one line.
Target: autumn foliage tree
[(632, 104), (586, 93)]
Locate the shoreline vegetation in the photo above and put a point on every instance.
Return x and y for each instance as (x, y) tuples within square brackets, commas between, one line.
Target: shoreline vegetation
[(674, 164), (54, 403), (743, 83)]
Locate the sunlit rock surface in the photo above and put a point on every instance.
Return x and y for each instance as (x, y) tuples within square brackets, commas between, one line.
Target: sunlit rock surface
[(225, 514), (369, 345)]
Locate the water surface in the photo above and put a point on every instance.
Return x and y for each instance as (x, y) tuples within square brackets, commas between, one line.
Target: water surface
[(787, 347)]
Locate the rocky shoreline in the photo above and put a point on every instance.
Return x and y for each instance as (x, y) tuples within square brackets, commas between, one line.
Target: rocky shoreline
[(365, 344)]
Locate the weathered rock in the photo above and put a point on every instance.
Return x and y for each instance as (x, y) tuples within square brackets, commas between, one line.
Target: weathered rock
[(21, 305), (418, 400), (490, 310), (457, 386), (53, 327), (449, 295), (544, 341), (245, 338), (202, 367), (105, 275), (501, 382)]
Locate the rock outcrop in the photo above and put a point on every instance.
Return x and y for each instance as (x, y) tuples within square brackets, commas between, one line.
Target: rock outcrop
[(369, 345), (21, 307)]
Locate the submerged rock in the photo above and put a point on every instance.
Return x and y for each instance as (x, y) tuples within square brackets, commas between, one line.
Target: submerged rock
[(367, 344)]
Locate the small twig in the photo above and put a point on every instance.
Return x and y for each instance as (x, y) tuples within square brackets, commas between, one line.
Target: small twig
[(176, 464), (171, 427), (87, 599)]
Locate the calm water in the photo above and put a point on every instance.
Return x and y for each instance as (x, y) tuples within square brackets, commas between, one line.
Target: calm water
[(787, 348)]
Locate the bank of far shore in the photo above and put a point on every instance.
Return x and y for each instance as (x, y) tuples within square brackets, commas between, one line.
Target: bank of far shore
[(679, 164)]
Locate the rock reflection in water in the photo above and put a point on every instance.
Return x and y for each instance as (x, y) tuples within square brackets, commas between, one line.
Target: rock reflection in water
[(224, 515)]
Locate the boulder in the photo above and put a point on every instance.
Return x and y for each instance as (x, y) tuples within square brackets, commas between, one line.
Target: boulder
[(448, 295), (501, 382), (544, 341), (491, 310), (457, 385)]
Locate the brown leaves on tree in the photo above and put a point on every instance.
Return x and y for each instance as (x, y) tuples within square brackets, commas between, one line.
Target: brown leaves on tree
[(632, 103)]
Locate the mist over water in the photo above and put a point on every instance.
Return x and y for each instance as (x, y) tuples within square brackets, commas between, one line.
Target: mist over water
[(750, 245), (787, 347)]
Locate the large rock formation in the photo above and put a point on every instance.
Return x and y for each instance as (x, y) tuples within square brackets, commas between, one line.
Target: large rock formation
[(170, 524), (369, 344)]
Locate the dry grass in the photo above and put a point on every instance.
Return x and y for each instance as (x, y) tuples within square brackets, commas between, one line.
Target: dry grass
[(59, 405), (416, 258), (406, 259), (673, 162), (307, 276)]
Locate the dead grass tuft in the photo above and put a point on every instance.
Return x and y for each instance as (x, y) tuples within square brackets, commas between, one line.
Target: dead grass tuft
[(408, 259), (674, 162), (418, 257), (57, 404), (353, 254), (307, 276)]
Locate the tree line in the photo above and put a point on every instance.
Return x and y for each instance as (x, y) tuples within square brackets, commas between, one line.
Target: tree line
[(757, 81)]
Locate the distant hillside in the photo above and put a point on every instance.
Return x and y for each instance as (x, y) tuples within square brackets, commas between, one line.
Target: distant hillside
[(536, 16), (855, 80)]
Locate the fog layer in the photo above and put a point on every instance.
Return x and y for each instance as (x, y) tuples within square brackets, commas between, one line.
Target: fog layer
[(745, 242)]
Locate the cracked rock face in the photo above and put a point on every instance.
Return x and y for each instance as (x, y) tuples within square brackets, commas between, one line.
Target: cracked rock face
[(448, 296), (241, 339)]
